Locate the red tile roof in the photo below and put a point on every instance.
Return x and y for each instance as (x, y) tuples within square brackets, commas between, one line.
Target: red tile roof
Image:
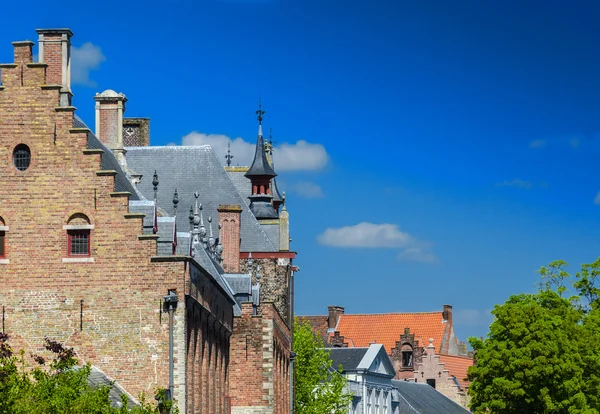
[(386, 328), (457, 366)]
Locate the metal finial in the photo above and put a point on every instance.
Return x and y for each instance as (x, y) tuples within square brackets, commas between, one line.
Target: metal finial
[(260, 112), (191, 216), (175, 201), (229, 157), (155, 183), (211, 238)]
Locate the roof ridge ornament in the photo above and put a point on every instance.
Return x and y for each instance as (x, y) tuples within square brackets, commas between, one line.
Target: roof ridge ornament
[(229, 157)]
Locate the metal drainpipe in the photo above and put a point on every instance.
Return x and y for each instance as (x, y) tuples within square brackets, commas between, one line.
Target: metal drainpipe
[(292, 354), (170, 302)]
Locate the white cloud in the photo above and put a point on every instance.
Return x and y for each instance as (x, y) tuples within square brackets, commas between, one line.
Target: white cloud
[(307, 189), (370, 235), (417, 254), (517, 182), (366, 235), (84, 59), (538, 143), (301, 156), (597, 199)]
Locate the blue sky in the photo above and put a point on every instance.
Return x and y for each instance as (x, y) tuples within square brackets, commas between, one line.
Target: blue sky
[(432, 152)]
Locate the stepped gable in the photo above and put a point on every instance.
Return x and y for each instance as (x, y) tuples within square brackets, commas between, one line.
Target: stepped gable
[(458, 367)]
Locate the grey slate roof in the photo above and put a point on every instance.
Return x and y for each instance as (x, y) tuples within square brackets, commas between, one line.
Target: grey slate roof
[(242, 184), (189, 169), (98, 379), (424, 399), (348, 358), (260, 166), (109, 162), (240, 283)]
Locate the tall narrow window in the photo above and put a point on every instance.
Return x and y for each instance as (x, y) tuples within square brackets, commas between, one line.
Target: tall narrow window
[(79, 242), (2, 244), (407, 359)]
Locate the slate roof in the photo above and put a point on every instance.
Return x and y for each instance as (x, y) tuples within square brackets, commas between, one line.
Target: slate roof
[(189, 169), (348, 358), (363, 329), (260, 166), (424, 399), (458, 367), (98, 379), (109, 161), (242, 183)]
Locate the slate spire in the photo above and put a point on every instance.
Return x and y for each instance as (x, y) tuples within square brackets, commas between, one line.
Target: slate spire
[(260, 174), (260, 166)]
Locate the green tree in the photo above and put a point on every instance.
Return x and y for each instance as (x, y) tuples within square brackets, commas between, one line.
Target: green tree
[(542, 353), (319, 388), (58, 386)]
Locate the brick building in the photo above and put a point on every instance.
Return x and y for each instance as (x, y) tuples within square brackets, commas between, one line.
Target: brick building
[(93, 245), (422, 346)]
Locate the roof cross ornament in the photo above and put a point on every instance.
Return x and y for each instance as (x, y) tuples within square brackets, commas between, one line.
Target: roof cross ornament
[(260, 113), (229, 157)]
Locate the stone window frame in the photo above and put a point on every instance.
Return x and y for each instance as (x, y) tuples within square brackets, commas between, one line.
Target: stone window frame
[(73, 230), (407, 349)]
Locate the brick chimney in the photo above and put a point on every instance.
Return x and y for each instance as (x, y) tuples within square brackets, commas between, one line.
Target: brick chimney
[(334, 316), (55, 51), (23, 51), (447, 314), (229, 219)]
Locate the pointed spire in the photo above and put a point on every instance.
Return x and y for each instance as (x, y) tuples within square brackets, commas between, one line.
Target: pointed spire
[(260, 165)]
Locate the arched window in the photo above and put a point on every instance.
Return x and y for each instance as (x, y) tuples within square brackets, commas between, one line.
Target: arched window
[(78, 230)]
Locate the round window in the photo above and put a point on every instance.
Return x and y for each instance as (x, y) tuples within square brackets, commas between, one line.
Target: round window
[(21, 157)]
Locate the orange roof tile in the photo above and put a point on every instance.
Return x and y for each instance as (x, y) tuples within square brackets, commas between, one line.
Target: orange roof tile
[(457, 366), (386, 328)]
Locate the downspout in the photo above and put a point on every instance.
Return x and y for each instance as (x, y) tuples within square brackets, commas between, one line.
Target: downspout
[(170, 302), (292, 354), (364, 398)]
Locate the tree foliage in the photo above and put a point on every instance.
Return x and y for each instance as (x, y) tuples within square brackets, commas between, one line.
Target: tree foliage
[(542, 354), (319, 387), (57, 386)]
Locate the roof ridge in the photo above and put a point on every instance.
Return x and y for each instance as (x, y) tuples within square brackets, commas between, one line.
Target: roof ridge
[(389, 313), (455, 356)]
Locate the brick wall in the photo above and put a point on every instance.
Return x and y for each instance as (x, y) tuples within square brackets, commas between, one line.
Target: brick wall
[(260, 348), (107, 306)]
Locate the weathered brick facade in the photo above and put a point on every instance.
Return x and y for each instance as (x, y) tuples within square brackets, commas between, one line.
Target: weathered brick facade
[(107, 305)]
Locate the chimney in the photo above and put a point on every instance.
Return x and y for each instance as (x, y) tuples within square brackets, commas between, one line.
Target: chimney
[(110, 107), (136, 132), (334, 316), (23, 51), (55, 51), (284, 228), (447, 314), (229, 219)]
